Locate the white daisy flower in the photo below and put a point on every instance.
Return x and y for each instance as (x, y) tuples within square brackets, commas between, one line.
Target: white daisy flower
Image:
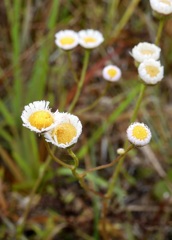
[(66, 132), (111, 73), (38, 117), (90, 38), (145, 50), (161, 6), (139, 134), (151, 71), (66, 39)]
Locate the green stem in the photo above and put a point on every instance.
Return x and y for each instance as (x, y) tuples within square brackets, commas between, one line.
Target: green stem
[(108, 164), (128, 13), (80, 177), (72, 154), (116, 173), (111, 13), (133, 118), (159, 32), (71, 66), (81, 81), (95, 102), (139, 100), (56, 159)]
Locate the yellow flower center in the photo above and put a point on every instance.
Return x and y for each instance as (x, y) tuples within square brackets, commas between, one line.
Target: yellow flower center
[(140, 132), (65, 132), (146, 51), (112, 72), (89, 39), (166, 2), (152, 70), (67, 40), (41, 119)]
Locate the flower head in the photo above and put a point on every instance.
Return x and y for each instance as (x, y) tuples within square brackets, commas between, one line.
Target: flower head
[(151, 71), (38, 117), (120, 151), (139, 134), (90, 38), (66, 39), (111, 73), (66, 132), (161, 6), (145, 50)]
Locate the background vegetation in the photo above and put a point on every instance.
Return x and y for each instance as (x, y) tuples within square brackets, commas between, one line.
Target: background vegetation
[(33, 68)]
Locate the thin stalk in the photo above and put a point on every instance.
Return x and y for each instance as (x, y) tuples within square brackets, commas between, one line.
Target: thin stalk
[(108, 164), (87, 188), (159, 32), (95, 102), (71, 66), (12, 166), (138, 103), (56, 159), (128, 13), (116, 173), (72, 154), (80, 177), (133, 118), (81, 81), (111, 13)]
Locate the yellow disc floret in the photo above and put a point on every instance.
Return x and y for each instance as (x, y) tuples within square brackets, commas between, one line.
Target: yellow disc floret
[(41, 119), (67, 40), (140, 132), (89, 40), (112, 72), (65, 132), (166, 2), (152, 70), (146, 51)]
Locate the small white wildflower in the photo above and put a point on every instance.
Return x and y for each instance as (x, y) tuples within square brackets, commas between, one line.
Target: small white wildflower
[(161, 6), (139, 134), (145, 50), (151, 71), (66, 39), (38, 117), (111, 73), (90, 38), (120, 151), (66, 132)]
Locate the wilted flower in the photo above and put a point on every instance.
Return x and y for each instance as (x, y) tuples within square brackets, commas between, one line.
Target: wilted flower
[(66, 39), (145, 50), (111, 73), (38, 117), (139, 134), (151, 71), (161, 6), (90, 38), (66, 132)]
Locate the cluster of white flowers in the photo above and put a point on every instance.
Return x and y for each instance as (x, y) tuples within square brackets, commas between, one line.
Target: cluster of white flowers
[(150, 69), (69, 39), (61, 129)]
